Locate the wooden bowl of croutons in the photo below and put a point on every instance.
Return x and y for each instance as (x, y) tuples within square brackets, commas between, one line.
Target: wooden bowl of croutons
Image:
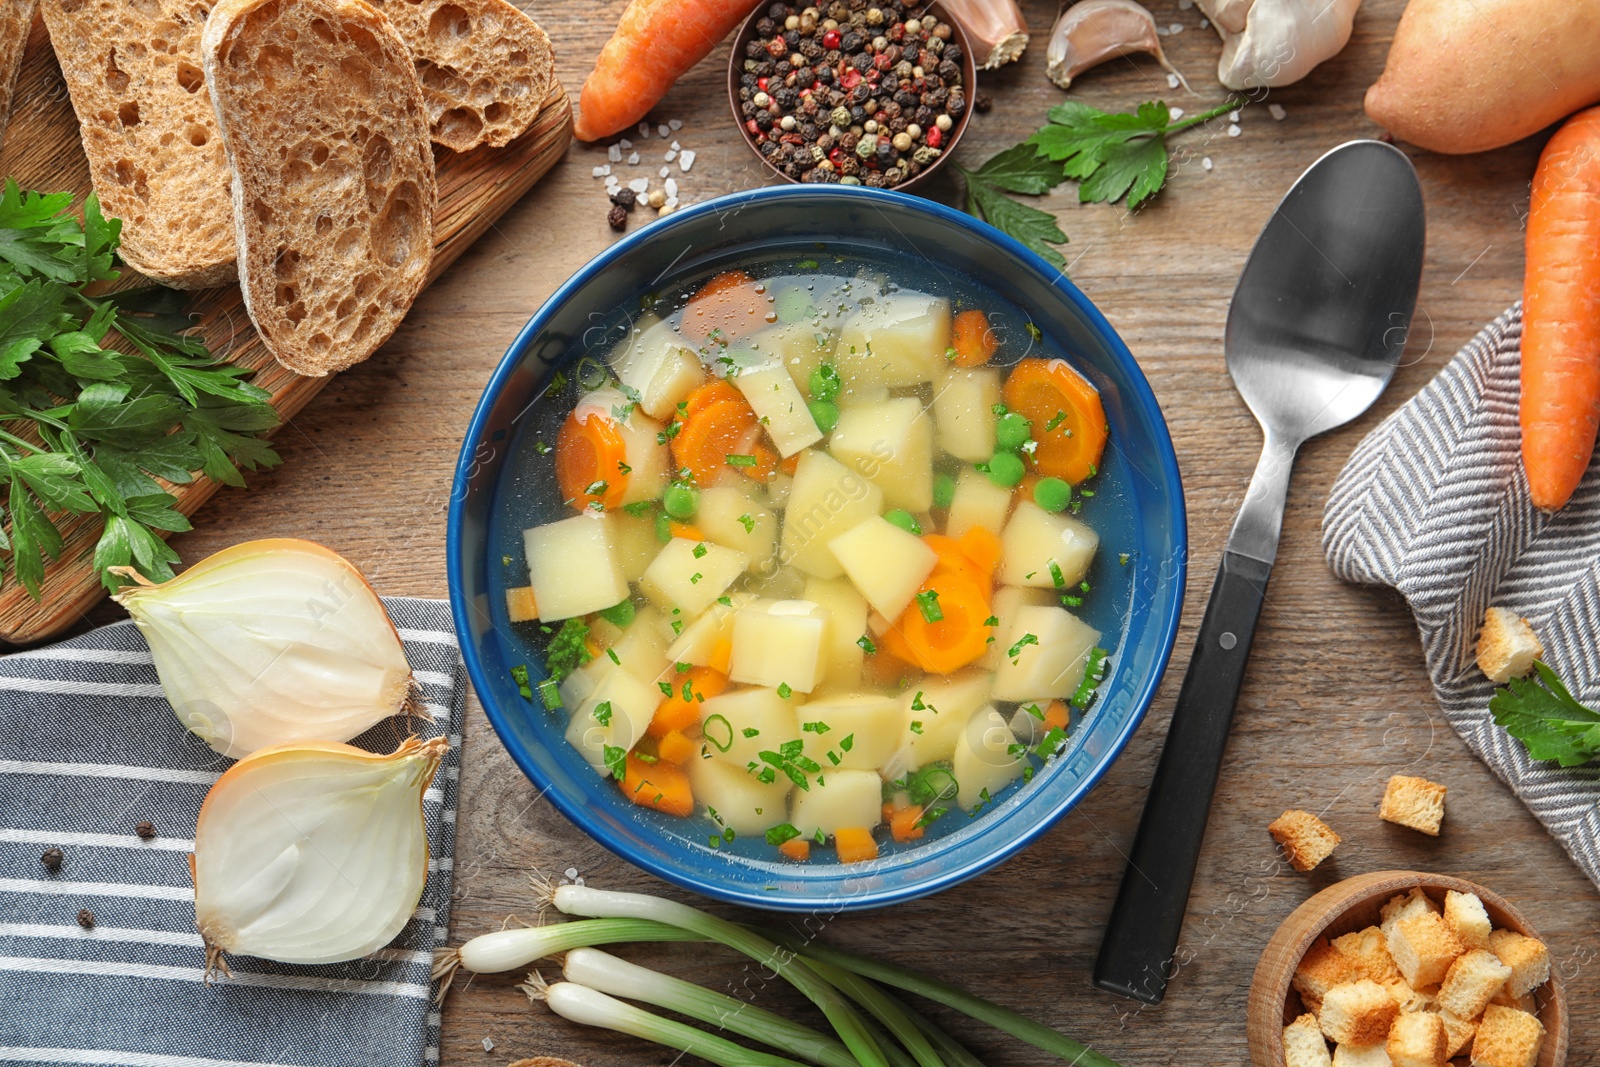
[(1405, 969)]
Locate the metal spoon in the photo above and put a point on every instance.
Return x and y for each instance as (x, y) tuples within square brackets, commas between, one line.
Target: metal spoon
[(1314, 332)]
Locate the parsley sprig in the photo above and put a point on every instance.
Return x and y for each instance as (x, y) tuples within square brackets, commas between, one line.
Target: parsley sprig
[(100, 395), (1109, 154), (1544, 716)]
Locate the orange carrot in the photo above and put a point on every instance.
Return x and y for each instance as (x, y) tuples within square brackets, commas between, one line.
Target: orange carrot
[(1069, 422), (1056, 716), (676, 713), (521, 605), (982, 548), (903, 823), (960, 636), (796, 848), (975, 343), (712, 392), (730, 306), (1561, 313), (854, 844), (657, 785), (655, 44), (706, 440), (591, 455), (721, 655), (686, 530), (676, 747)]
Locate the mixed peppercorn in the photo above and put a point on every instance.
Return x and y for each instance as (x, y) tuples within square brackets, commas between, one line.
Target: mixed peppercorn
[(858, 92)]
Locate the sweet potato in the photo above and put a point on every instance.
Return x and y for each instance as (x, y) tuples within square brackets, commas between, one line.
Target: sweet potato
[(1469, 77)]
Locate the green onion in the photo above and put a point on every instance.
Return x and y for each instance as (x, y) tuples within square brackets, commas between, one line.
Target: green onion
[(950, 1050), (928, 603), (507, 950), (1092, 670), (886, 1012), (606, 973), (717, 723), (736, 459), (598, 903)]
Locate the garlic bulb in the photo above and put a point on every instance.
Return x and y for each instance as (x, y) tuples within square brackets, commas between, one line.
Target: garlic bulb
[(1277, 42), (995, 30), (272, 642), (312, 853), (1092, 31)]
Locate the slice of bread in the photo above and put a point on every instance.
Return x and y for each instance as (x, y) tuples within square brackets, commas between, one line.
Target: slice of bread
[(333, 181), (16, 19), (485, 67), (155, 155)]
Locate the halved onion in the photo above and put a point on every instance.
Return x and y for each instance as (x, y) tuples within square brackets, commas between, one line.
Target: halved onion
[(272, 642), (312, 853)]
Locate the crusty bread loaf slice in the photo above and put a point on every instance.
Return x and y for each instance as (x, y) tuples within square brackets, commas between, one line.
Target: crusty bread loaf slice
[(485, 67), (333, 183), (16, 19), (148, 129)]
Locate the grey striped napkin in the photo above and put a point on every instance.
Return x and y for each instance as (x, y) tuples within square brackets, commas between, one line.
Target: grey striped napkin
[(89, 749), (1435, 503)]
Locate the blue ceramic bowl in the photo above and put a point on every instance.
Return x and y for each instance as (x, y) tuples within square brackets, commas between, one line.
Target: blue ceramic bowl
[(1138, 512)]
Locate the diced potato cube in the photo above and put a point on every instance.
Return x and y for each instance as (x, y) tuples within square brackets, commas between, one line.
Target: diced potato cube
[(900, 339), (778, 489), (892, 444), (635, 541), (978, 503), (985, 761), (757, 720), (741, 801), (860, 394), (779, 643), (658, 364), (1051, 665), (614, 715), (837, 799), (777, 402), (640, 649), (690, 575), (946, 707), (1034, 538), (649, 461), (859, 731), (887, 564), (723, 517), (573, 567), (521, 605), (963, 408), (1007, 599), (697, 644), (847, 622), (827, 499), (801, 347)]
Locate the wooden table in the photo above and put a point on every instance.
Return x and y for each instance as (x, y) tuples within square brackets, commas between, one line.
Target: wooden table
[(1336, 699)]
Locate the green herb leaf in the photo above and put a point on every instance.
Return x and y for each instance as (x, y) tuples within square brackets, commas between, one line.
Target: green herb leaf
[(1034, 228), (568, 650), (928, 604), (781, 833), (1112, 154), (1019, 169), (1542, 714), (616, 760)]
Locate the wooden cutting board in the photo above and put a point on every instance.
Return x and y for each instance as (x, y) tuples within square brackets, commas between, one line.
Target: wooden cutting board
[(42, 151)]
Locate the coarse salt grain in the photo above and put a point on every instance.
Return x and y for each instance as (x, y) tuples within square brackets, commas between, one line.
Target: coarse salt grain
[(674, 124), (624, 144), (1161, 31), (674, 146), (1205, 24), (1206, 163), (1175, 28), (1276, 111), (614, 153), (1185, 5), (639, 185), (669, 155), (488, 1046), (633, 159), (1233, 116), (1233, 130), (671, 187), (1176, 113), (686, 159), (598, 171), (665, 171), (1172, 81), (663, 131), (644, 129), (671, 201)]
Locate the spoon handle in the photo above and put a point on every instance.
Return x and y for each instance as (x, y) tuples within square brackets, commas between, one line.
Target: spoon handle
[(1137, 956)]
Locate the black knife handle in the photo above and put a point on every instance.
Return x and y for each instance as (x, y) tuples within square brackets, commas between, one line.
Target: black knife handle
[(1137, 954)]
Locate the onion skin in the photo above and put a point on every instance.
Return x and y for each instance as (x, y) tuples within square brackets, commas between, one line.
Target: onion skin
[(995, 30)]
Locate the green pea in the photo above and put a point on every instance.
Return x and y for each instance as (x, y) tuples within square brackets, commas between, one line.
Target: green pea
[(681, 501), (1052, 494), (663, 527), (619, 614), (1012, 430), (794, 305), (825, 413), (905, 520), (1005, 469), (824, 382), (944, 490)]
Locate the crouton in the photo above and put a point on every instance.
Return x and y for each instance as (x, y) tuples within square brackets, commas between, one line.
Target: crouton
[(1507, 645), (1368, 950), (1417, 1039), (1507, 1038), (1405, 906), (1528, 959), (1528, 1002), (1415, 803), (1474, 978), (1360, 1056), (1458, 1032), (1423, 948), (1467, 919), (1321, 968), (1358, 1013), (1303, 1045), (1306, 839), (1412, 999)]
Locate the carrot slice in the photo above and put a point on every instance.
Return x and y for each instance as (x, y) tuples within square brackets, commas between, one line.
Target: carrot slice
[(676, 747), (796, 848), (521, 605), (953, 641), (714, 433), (713, 392), (677, 713), (1056, 716), (903, 823), (1069, 422), (659, 786), (982, 548), (590, 455), (854, 844), (730, 306), (686, 530), (790, 465), (721, 655), (970, 335)]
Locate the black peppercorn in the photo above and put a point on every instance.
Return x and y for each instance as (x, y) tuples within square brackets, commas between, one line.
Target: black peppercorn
[(957, 104), (808, 131), (862, 62), (792, 39), (873, 179), (905, 99), (858, 115), (763, 119), (617, 217), (825, 73), (949, 71), (851, 43), (145, 829), (788, 99), (861, 93), (749, 110), (52, 859), (952, 52), (755, 49), (624, 198), (778, 11), (765, 26), (810, 49), (764, 69), (926, 117), (86, 919), (933, 81)]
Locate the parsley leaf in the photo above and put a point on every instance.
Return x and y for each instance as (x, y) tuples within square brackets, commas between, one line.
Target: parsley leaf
[(1034, 228), (1542, 714), (1113, 154)]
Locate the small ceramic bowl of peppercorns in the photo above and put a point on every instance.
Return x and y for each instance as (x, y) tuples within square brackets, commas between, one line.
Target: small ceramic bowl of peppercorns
[(851, 92)]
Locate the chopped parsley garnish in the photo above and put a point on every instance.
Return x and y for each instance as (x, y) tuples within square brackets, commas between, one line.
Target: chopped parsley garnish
[(792, 762), (602, 713), (639, 508), (751, 731), (718, 732), (595, 489), (784, 691), (815, 727), (916, 726), (694, 579), (866, 645), (1054, 740), (1093, 673), (700, 550), (665, 687), (916, 702), (542, 448), (666, 435), (616, 760), (568, 650), (848, 743), (782, 833), (992, 620), (612, 653), (725, 601), (1034, 332), (748, 523), (623, 468), (736, 459), (1022, 642), (1056, 576), (1055, 420), (519, 674)]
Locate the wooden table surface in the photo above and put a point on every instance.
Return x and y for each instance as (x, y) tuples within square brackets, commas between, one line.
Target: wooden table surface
[(1336, 699)]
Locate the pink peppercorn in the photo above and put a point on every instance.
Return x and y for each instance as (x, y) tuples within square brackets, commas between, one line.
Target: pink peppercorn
[(830, 40), (934, 136)]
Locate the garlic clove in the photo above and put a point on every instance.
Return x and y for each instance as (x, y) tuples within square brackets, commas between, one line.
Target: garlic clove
[(272, 642), (1279, 41), (1092, 31), (995, 29), (1228, 16), (312, 853)]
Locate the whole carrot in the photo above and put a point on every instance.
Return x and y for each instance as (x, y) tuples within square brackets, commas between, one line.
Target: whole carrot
[(1561, 313), (655, 44)]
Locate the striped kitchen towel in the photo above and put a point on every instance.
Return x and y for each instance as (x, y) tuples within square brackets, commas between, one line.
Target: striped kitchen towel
[(88, 750), (1434, 502)]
